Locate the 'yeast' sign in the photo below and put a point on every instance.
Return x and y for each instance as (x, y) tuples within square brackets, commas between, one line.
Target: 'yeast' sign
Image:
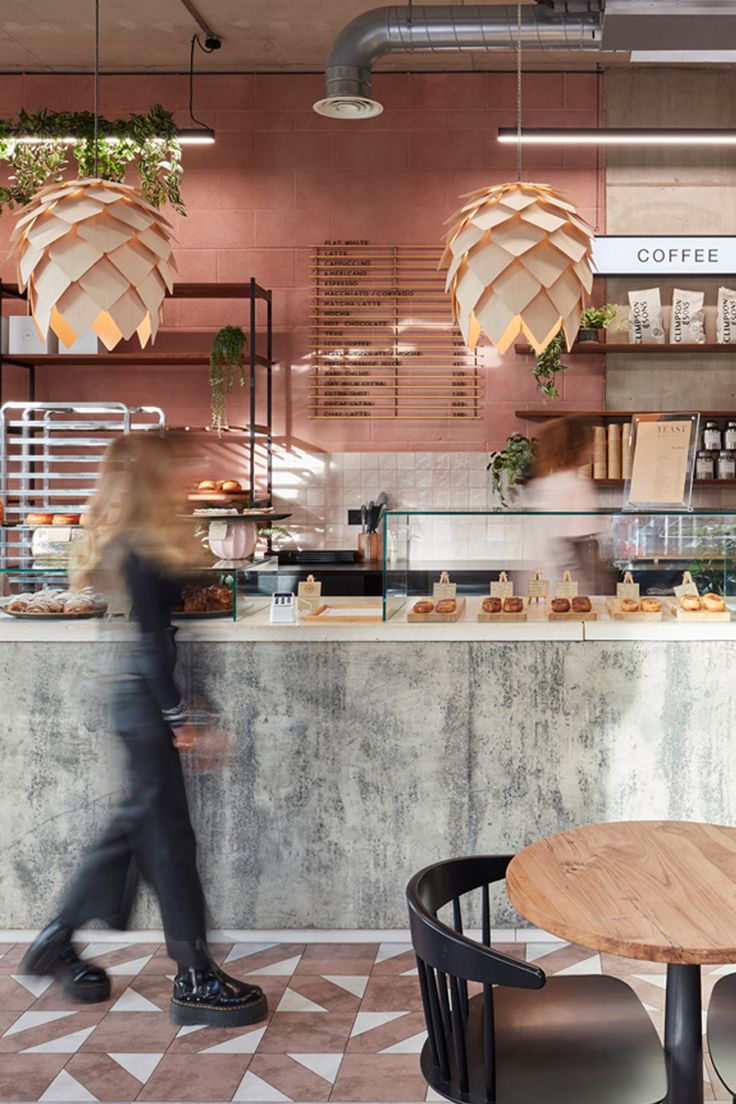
[(657, 255)]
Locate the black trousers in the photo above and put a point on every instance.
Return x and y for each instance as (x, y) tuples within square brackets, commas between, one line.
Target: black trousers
[(151, 830)]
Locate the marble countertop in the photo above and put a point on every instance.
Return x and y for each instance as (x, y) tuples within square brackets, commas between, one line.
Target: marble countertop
[(253, 626)]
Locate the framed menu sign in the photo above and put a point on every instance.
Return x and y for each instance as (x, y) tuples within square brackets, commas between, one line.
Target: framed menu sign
[(664, 448)]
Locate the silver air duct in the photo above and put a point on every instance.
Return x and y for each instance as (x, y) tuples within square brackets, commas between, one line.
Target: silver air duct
[(469, 27)]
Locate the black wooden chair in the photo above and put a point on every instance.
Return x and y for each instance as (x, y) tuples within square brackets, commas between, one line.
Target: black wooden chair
[(722, 1031), (574, 1040)]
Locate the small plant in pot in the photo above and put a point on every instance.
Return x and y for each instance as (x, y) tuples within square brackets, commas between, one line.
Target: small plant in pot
[(595, 319), (227, 357), (510, 464)]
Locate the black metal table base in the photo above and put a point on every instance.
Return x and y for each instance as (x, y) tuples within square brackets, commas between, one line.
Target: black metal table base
[(683, 1035)]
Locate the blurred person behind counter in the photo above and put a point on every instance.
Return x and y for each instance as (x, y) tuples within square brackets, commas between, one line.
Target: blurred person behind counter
[(134, 543), (558, 484)]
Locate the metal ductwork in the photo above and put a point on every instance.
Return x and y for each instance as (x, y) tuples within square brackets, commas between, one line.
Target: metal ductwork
[(475, 27)]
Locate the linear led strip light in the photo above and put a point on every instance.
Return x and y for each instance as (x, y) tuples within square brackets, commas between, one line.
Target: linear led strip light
[(612, 137)]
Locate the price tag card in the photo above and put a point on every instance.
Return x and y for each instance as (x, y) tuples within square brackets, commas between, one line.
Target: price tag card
[(538, 588), (218, 530), (687, 586), (566, 588), (310, 591), (503, 588), (444, 588), (628, 588)]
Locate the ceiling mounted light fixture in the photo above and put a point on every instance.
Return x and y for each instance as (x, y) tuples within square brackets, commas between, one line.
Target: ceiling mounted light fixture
[(94, 254), (199, 133), (635, 136), (519, 259)]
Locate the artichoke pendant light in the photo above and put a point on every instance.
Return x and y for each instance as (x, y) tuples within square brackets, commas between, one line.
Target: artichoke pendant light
[(94, 254), (519, 260)]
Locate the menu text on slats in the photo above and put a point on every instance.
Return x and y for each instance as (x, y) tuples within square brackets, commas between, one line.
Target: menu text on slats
[(384, 344)]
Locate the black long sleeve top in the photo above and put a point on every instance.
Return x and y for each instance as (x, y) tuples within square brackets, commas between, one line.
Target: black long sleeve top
[(152, 596)]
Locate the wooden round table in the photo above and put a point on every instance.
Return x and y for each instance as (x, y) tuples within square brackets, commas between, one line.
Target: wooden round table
[(661, 891)]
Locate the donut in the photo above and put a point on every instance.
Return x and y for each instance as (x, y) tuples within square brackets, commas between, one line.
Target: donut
[(446, 605), (582, 604), (690, 603), (513, 605), (713, 603), (560, 605), (206, 485), (39, 519), (425, 606), (230, 485), (629, 605), (650, 605), (492, 605)]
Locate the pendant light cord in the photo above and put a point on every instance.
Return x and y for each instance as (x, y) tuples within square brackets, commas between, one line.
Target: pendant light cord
[(205, 50), (518, 93), (97, 86)]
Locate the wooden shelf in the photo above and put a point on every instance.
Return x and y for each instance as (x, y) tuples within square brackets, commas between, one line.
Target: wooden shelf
[(603, 348), (696, 482), (544, 413), (174, 360), (186, 291)]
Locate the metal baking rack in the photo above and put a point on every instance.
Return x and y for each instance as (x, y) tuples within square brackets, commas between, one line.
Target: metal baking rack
[(49, 460)]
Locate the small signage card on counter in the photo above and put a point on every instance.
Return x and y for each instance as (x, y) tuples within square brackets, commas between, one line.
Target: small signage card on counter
[(567, 587), (310, 591), (444, 588), (538, 588), (503, 588), (663, 465), (628, 588), (686, 587)]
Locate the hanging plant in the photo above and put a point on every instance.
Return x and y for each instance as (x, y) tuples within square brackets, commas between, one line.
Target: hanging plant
[(513, 462), (226, 365), (149, 140), (548, 365)]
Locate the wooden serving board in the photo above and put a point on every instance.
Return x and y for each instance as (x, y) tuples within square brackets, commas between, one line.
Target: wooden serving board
[(695, 615), (216, 496), (618, 614), (503, 617), (456, 616), (572, 616), (327, 614)]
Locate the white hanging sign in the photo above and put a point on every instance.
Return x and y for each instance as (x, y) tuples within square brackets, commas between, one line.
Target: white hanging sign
[(659, 255)]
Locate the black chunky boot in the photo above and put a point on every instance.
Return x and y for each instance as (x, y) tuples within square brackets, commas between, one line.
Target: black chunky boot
[(52, 955), (207, 995)]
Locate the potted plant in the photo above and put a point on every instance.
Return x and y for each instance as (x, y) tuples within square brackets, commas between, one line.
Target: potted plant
[(595, 319), (226, 365), (510, 464)]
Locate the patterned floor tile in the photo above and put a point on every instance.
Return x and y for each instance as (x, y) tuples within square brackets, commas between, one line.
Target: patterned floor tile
[(273, 987), (293, 1078), (27, 1076), (376, 1039), (378, 1077), (305, 1032), (330, 996), (103, 1077), (55, 999), (132, 1031), (389, 994), (196, 1077), (338, 958), (11, 957), (14, 997), (27, 1033), (242, 1040), (278, 960)]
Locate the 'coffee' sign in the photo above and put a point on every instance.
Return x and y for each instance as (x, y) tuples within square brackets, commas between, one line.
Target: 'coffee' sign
[(664, 256)]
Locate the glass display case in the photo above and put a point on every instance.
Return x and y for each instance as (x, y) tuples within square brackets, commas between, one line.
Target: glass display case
[(597, 548)]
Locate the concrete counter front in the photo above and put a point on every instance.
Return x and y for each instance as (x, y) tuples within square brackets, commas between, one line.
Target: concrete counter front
[(361, 754)]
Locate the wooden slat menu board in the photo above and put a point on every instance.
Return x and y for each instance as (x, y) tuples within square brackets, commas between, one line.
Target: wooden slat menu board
[(384, 343)]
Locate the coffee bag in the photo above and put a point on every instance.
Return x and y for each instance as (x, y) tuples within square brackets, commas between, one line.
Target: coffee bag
[(687, 326), (645, 317), (726, 316)]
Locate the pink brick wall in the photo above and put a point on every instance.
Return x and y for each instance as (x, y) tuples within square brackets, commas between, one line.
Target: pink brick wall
[(281, 178)]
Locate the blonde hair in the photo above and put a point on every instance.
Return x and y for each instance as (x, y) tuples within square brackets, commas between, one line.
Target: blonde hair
[(135, 509), (562, 444)]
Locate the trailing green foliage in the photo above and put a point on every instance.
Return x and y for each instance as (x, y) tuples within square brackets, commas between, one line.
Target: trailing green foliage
[(547, 366), (150, 140), (226, 364), (513, 461)]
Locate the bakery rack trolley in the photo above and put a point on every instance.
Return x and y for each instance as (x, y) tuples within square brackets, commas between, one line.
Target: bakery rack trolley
[(50, 454)]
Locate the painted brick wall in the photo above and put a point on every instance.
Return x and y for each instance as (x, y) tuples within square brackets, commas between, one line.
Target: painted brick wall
[(281, 178)]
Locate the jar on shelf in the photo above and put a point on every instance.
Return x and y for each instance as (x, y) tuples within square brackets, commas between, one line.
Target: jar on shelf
[(705, 465), (712, 437), (730, 437), (726, 466)]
